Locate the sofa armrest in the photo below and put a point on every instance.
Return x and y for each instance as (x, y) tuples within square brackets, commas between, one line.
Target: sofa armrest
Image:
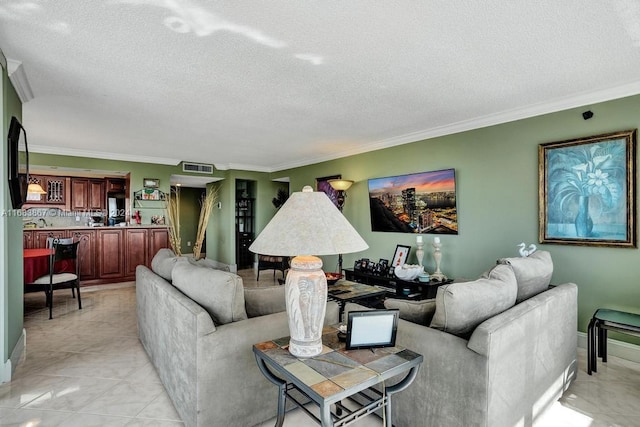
[(228, 372), (451, 375), (531, 354)]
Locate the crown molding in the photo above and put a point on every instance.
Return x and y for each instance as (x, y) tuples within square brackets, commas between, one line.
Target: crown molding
[(19, 80), (244, 167), (553, 106), (42, 149)]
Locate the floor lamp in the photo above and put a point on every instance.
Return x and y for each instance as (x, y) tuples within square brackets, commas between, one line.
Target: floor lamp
[(341, 186)]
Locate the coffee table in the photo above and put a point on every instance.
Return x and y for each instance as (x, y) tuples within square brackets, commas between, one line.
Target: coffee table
[(335, 377), (345, 291)]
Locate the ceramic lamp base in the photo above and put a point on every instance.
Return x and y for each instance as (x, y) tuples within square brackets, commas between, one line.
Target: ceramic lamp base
[(306, 300)]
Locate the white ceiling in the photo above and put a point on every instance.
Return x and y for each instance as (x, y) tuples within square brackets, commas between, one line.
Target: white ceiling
[(275, 84)]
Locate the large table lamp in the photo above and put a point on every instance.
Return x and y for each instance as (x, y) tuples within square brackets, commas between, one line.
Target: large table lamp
[(306, 226)]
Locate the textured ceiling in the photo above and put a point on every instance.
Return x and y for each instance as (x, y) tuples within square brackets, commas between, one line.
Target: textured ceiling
[(276, 84)]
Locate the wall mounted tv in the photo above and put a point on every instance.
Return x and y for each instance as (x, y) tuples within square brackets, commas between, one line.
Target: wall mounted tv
[(18, 163), (416, 203)]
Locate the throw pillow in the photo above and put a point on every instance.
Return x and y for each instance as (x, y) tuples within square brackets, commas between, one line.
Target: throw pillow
[(219, 292), (460, 307), (533, 273), (163, 262), (420, 312), (263, 301)]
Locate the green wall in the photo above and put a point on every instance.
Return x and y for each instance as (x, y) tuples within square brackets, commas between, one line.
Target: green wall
[(497, 192), (221, 239), (11, 279), (189, 216)]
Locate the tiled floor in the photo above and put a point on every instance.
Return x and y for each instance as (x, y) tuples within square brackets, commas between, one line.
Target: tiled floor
[(87, 368)]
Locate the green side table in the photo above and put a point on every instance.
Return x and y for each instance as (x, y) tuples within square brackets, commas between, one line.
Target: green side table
[(602, 321)]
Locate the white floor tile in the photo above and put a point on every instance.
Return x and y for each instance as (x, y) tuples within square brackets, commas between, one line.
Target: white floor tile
[(87, 368)]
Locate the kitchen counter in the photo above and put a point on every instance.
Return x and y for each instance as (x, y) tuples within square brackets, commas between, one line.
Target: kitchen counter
[(108, 253), (85, 227)]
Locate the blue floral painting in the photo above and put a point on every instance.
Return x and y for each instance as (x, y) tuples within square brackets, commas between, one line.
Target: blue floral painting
[(587, 190)]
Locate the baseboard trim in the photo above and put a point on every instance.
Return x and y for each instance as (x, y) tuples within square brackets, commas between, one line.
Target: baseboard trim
[(620, 349), (16, 357)]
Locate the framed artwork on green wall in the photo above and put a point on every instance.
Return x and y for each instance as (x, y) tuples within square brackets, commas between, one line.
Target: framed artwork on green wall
[(587, 189), (322, 184)]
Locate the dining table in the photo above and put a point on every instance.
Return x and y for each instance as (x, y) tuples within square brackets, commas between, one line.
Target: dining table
[(36, 263)]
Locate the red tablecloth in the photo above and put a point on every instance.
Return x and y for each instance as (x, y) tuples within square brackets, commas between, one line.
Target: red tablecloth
[(36, 263)]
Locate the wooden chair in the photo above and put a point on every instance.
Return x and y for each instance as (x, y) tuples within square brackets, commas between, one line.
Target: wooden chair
[(55, 279), (275, 263)]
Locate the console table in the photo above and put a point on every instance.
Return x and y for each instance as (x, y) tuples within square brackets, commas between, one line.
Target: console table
[(345, 291), (414, 290), (334, 375)]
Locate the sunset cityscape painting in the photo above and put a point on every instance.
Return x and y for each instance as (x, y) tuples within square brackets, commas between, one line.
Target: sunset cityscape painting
[(416, 203)]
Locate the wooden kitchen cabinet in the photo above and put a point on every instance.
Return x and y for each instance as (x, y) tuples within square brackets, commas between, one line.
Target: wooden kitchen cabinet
[(158, 239), (115, 185), (86, 252), (39, 239), (79, 194), (27, 239), (88, 194), (110, 253), (136, 249), (56, 192), (97, 198)]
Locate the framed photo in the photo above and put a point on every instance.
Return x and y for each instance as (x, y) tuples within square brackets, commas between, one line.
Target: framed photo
[(400, 256), (372, 328), (151, 182), (587, 190), (322, 184)]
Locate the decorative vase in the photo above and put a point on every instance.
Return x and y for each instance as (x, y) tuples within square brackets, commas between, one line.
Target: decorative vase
[(306, 299), (583, 221)]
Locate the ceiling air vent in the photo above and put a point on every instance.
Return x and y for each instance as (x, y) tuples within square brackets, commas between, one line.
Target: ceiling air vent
[(197, 167)]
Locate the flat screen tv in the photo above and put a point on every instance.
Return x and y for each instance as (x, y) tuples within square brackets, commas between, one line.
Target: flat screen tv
[(18, 173), (416, 203)]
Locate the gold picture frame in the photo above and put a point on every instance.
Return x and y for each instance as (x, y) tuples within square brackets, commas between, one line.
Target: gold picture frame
[(587, 190), (151, 183)]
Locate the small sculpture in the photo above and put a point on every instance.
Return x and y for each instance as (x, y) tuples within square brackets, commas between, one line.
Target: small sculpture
[(526, 252)]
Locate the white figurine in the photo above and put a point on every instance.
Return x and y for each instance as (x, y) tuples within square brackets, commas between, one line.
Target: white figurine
[(526, 252)]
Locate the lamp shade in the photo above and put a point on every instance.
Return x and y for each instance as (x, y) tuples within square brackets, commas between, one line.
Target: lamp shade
[(308, 224), (35, 189)]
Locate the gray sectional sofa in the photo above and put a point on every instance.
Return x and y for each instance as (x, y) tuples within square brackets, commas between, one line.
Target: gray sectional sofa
[(497, 350), (198, 325)]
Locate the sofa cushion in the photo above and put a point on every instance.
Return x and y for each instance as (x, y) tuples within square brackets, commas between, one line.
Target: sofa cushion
[(460, 307), (219, 292), (263, 301), (163, 262), (420, 312), (533, 273)]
